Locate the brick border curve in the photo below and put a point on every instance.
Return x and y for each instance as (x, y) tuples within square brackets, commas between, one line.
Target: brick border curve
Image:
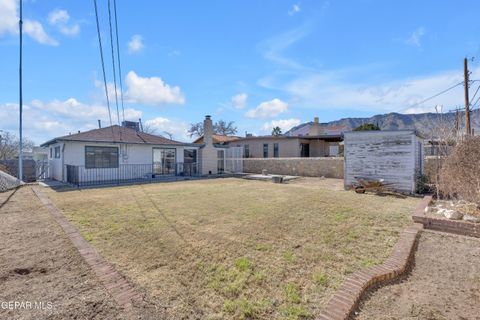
[(442, 224), (346, 299), (124, 294)]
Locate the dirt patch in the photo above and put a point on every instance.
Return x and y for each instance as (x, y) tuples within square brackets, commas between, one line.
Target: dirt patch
[(443, 284), (41, 271)]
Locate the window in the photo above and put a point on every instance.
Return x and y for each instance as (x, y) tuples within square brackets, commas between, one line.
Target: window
[(265, 150), (304, 150), (189, 155), (51, 153), (57, 152), (101, 157), (275, 150), (246, 151)]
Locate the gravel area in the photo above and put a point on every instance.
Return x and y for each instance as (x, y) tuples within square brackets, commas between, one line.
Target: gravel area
[(443, 284)]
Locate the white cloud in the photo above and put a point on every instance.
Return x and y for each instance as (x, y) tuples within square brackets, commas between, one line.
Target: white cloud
[(46, 120), (239, 101), (285, 124), (177, 129), (151, 91), (295, 9), (35, 30), (334, 90), (8, 17), (9, 24), (416, 37), (60, 19), (268, 109), (135, 45), (274, 47)]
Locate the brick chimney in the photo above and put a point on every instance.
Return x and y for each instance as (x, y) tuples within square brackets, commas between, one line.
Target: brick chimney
[(208, 130), (315, 129)]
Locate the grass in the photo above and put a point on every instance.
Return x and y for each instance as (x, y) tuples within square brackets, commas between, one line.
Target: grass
[(237, 249)]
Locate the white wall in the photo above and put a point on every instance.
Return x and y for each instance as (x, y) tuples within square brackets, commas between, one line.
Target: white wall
[(74, 154), (55, 167), (388, 155)]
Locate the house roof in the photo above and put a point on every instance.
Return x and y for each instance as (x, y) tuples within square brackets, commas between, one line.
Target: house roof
[(115, 134), (283, 137), (304, 128), (218, 139)]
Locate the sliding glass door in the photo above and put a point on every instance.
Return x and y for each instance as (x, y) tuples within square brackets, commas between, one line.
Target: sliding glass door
[(164, 161)]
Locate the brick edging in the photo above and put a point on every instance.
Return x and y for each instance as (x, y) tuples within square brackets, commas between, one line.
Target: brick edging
[(116, 285), (346, 299), (460, 227)]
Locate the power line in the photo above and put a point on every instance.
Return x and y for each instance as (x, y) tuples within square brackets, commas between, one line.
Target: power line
[(118, 58), (103, 62), (113, 60), (476, 91), (436, 95)]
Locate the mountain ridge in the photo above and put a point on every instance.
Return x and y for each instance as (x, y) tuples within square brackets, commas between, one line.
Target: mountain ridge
[(422, 122)]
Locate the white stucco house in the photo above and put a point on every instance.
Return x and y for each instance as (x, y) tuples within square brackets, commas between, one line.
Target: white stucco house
[(121, 153)]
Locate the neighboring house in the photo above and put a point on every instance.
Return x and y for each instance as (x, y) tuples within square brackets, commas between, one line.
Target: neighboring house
[(121, 153), (218, 139), (315, 143), (395, 156), (304, 129)]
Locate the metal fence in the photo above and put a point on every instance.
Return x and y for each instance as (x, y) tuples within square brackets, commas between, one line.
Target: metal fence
[(234, 160), (8, 182), (127, 173)]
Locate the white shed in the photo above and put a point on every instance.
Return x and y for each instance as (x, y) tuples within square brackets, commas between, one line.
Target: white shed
[(395, 156)]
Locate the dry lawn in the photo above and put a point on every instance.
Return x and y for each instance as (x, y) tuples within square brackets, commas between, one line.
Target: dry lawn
[(237, 249)]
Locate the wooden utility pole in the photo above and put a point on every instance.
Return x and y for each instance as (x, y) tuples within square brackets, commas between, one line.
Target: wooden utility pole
[(468, 131)]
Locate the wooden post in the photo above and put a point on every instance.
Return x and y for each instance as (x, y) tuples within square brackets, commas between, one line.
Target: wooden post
[(467, 102)]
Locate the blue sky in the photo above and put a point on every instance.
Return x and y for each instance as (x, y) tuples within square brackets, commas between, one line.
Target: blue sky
[(258, 63)]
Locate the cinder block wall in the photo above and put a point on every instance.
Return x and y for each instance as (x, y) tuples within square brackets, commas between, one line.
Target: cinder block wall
[(307, 167), (311, 167)]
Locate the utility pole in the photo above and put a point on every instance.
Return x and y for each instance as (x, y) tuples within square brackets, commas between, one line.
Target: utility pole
[(467, 101), (20, 146)]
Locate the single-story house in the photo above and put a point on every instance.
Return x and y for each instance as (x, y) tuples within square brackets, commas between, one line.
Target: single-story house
[(315, 143), (123, 153)]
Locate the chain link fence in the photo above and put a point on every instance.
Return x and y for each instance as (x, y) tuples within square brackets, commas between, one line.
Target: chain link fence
[(8, 182)]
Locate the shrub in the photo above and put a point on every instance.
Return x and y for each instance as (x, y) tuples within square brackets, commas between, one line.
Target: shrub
[(460, 175)]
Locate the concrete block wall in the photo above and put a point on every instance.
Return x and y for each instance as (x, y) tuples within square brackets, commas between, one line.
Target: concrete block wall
[(311, 167), (307, 167)]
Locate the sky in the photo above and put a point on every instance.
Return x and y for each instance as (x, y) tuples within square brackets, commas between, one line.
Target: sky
[(259, 63)]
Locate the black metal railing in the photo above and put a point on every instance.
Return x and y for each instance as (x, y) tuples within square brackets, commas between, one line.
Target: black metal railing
[(127, 173)]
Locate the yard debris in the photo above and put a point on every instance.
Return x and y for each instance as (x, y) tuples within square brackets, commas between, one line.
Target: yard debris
[(471, 218), (450, 214), (455, 210)]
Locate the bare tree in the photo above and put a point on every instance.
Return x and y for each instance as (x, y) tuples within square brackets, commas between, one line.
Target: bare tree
[(224, 128), (9, 145), (220, 127), (443, 135), (169, 134), (149, 129), (196, 129)]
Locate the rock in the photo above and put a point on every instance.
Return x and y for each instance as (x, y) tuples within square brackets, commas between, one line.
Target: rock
[(451, 214), (471, 218)]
